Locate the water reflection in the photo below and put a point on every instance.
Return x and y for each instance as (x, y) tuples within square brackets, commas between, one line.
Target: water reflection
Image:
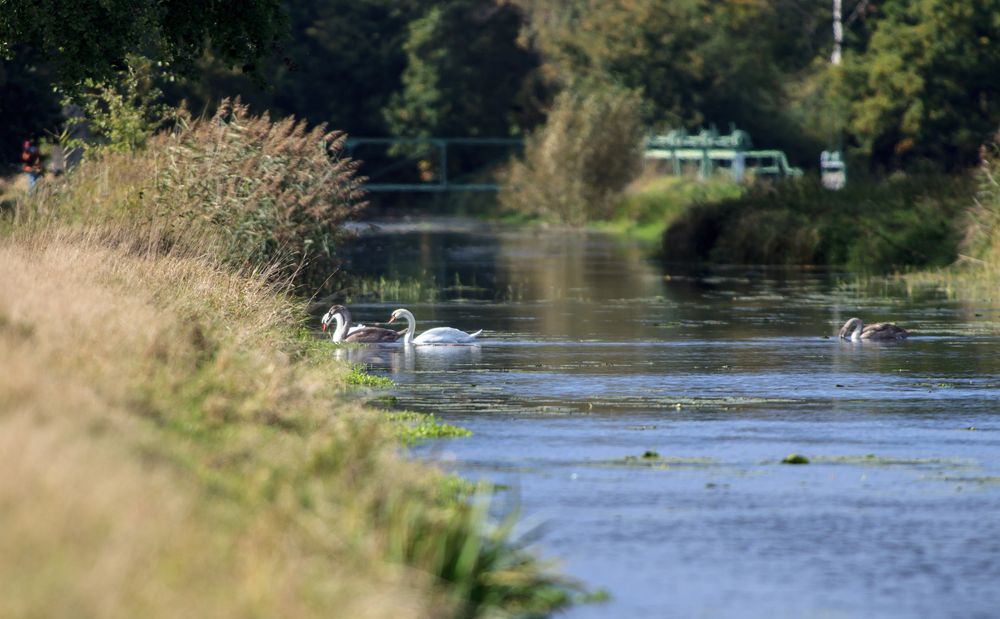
[(396, 358), (593, 352)]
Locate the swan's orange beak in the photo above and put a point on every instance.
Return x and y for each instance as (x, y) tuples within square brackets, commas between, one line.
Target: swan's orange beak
[(391, 318), (324, 327)]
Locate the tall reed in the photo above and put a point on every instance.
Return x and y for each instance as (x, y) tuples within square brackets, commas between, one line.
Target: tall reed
[(577, 165), (249, 191), (981, 240)]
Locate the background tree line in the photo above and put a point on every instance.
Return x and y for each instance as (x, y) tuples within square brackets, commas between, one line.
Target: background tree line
[(916, 87)]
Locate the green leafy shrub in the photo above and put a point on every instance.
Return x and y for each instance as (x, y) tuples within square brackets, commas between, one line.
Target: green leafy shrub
[(121, 114), (899, 222), (577, 165)]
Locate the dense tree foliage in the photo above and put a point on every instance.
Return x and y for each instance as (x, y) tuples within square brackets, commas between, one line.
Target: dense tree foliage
[(92, 38), (390, 67), (926, 86), (917, 84), (465, 73), (697, 61), (28, 107)]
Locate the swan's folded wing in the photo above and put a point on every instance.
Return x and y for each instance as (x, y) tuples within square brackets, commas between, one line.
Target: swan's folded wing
[(884, 331), (444, 335), (374, 335)]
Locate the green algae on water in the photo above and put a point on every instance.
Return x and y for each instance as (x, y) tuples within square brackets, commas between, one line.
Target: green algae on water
[(412, 427), (795, 459), (360, 378)]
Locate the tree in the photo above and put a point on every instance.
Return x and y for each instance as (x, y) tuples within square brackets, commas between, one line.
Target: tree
[(926, 87), (695, 61), (343, 62), (91, 39), (466, 73)]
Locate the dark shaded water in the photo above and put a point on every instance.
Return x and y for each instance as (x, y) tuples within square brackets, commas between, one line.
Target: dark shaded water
[(593, 354)]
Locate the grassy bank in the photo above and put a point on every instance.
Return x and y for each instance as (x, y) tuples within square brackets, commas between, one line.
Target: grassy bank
[(976, 273), (171, 445), (175, 443), (898, 223), (652, 204)]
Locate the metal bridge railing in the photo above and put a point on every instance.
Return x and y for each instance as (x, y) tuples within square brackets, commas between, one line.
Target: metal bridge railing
[(429, 164)]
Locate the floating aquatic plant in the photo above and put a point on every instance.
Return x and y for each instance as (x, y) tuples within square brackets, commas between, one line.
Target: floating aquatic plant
[(413, 427), (795, 459), (359, 377)]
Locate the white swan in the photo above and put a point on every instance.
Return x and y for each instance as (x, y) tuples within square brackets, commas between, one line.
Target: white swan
[(345, 332), (855, 330), (437, 335)]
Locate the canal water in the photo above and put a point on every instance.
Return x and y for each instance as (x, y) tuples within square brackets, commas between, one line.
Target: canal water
[(637, 415)]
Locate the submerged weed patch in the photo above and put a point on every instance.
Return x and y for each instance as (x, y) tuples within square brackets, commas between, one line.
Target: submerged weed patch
[(652, 459), (412, 427), (360, 378), (795, 459), (874, 460)]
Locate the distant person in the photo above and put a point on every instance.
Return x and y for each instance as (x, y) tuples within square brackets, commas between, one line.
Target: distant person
[(31, 160)]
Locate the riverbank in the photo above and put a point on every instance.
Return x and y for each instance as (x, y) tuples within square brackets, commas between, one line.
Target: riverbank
[(175, 442), (650, 205), (899, 223)]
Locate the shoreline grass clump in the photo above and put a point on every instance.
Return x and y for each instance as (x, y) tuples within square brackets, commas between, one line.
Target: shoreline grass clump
[(412, 427), (359, 377)]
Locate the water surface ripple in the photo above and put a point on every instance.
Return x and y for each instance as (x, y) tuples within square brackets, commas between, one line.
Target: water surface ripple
[(592, 354)]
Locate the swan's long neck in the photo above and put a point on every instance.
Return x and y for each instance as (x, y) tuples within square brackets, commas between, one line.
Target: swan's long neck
[(411, 326), (338, 333), (858, 328)]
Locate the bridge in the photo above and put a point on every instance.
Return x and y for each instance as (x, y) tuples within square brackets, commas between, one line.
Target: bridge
[(707, 151), (470, 164)]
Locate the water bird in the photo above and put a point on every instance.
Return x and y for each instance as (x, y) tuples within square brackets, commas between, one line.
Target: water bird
[(437, 335), (855, 330), (345, 332)]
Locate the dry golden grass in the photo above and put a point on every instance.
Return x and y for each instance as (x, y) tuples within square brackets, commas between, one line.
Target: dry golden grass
[(117, 501)]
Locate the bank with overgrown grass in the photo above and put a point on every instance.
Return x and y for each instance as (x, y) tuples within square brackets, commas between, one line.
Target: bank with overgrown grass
[(976, 272), (176, 442), (651, 204), (903, 222)]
